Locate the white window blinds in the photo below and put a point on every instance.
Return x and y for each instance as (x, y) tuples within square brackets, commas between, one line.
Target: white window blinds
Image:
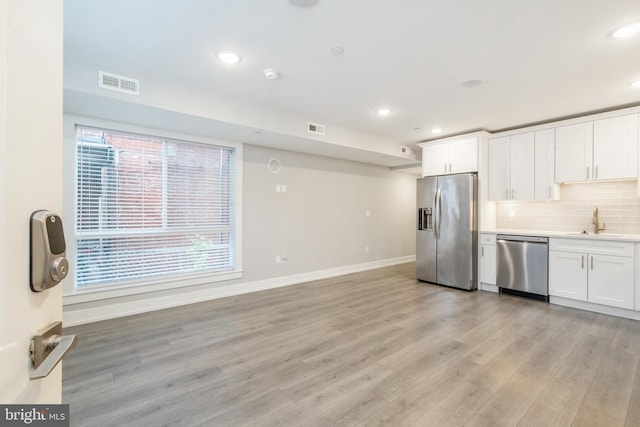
[(150, 207)]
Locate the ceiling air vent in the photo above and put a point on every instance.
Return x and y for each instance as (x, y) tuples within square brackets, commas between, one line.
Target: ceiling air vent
[(118, 83), (315, 128)]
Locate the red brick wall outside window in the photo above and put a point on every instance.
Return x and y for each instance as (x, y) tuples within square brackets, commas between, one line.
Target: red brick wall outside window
[(149, 207)]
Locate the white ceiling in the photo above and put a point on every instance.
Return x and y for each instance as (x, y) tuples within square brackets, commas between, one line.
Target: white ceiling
[(540, 59)]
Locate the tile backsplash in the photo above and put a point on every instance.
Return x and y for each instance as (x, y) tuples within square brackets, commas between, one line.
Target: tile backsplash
[(617, 201)]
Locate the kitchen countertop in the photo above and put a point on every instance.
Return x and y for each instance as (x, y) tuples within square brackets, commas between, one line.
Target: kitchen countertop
[(567, 234)]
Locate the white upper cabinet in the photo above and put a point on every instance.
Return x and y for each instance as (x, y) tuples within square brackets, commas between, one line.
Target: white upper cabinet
[(522, 166), (545, 187), (615, 147), (443, 158), (499, 168), (435, 159), (511, 167), (599, 150), (574, 152), (463, 156)]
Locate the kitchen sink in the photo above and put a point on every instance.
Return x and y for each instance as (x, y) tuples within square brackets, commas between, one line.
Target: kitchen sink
[(580, 233)]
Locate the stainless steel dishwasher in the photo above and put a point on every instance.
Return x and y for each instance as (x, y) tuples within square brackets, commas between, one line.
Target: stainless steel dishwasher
[(523, 265)]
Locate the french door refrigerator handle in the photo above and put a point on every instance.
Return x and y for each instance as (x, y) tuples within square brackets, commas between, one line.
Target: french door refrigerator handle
[(435, 213)]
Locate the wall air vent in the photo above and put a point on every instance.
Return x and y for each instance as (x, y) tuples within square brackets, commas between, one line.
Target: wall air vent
[(118, 83), (315, 128)]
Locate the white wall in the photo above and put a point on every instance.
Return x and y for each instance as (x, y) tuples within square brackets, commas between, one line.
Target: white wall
[(320, 222), (229, 117)]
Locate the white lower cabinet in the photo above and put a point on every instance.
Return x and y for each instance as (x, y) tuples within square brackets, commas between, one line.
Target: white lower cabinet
[(567, 275), (488, 259), (611, 281), (488, 264), (637, 278), (601, 272)]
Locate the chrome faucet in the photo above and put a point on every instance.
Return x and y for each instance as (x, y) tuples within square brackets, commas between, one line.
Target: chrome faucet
[(595, 220)]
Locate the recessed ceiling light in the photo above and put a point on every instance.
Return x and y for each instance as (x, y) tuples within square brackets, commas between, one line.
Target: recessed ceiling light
[(271, 74), (472, 83), (436, 130), (626, 31), (337, 51), (635, 84), (228, 56), (383, 111)]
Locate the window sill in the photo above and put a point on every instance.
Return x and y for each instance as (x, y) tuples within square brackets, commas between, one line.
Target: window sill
[(100, 293)]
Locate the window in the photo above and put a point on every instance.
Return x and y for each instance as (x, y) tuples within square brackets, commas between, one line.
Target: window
[(150, 208)]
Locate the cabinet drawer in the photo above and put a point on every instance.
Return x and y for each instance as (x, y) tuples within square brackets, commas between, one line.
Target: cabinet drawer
[(591, 246), (488, 239)]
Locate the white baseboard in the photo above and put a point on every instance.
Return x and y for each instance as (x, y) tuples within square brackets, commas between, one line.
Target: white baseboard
[(598, 308), (76, 315), (489, 287)]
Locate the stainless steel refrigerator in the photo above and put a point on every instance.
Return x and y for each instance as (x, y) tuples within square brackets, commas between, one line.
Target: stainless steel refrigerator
[(446, 242)]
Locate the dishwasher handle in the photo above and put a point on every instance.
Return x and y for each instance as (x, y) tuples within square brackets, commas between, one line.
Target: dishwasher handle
[(523, 239)]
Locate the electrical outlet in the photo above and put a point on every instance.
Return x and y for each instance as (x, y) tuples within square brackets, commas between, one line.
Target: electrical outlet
[(284, 188), (278, 259), (283, 258), (278, 188)]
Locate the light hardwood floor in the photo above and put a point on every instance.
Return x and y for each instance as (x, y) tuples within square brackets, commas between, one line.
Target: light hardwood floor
[(366, 349)]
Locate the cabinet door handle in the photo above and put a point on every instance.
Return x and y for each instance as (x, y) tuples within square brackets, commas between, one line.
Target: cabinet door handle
[(482, 251), (450, 168), (596, 175), (513, 192), (587, 172), (445, 168), (592, 262), (506, 194), (582, 257)]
